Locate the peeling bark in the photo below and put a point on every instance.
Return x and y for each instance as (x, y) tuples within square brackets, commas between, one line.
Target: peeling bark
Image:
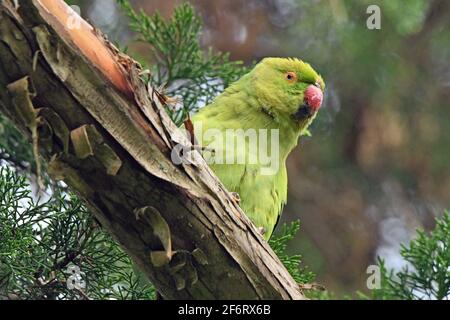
[(110, 140)]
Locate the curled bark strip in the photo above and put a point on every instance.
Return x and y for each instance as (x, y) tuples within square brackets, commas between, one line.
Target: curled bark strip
[(24, 109)]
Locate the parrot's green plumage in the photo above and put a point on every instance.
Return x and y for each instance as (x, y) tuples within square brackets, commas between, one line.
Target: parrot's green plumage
[(279, 93)]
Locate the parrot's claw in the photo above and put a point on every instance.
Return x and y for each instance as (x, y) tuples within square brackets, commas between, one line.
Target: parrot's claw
[(262, 230), (236, 197), (203, 149)]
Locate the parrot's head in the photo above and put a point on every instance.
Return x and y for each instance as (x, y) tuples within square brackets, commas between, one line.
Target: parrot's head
[(289, 87)]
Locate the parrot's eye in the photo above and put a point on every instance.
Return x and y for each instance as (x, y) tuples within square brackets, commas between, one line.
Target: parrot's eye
[(291, 76)]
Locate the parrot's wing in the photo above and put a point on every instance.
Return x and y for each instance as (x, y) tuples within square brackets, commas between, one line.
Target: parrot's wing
[(262, 196)]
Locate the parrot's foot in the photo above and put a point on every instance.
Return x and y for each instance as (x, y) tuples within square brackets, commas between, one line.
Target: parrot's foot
[(236, 197), (203, 149), (262, 230)]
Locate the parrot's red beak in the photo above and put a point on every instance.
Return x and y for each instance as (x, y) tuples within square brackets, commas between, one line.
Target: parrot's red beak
[(312, 102), (313, 97)]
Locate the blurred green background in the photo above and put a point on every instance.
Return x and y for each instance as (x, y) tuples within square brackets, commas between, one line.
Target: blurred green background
[(378, 163)]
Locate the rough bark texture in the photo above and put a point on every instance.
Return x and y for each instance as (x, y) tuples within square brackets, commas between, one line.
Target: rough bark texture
[(178, 223)]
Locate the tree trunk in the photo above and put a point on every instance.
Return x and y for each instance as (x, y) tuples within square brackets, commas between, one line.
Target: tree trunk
[(102, 131)]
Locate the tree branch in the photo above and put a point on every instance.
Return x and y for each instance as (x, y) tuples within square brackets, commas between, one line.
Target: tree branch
[(110, 140)]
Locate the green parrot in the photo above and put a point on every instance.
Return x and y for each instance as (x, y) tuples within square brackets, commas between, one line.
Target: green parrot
[(251, 128)]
